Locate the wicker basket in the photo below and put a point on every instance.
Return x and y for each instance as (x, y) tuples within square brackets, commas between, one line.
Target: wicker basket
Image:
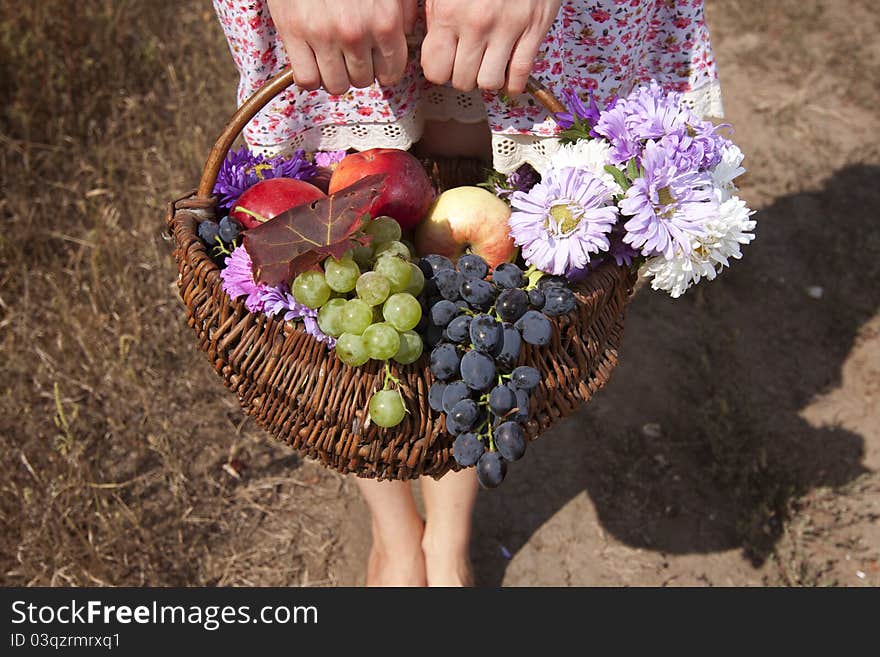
[(303, 395)]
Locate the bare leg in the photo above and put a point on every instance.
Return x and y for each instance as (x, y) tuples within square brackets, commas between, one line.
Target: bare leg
[(396, 556), (449, 506)]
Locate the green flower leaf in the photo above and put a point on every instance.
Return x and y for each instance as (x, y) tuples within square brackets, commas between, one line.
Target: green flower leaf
[(618, 176)]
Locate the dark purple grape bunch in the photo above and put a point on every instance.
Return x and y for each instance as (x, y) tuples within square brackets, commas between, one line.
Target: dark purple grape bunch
[(476, 327), (221, 237)]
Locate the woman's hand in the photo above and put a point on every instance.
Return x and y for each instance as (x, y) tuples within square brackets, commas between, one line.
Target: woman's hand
[(484, 43), (344, 43)]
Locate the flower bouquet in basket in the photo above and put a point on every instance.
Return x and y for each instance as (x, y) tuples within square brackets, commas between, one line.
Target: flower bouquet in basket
[(358, 249)]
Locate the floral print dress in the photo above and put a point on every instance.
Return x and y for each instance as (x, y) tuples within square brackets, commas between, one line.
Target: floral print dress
[(603, 46)]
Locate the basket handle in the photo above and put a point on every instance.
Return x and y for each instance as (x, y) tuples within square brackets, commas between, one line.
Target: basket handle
[(279, 83)]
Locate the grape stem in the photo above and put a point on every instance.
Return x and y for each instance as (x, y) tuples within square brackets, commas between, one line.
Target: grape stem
[(385, 385), (389, 377), (533, 274), (221, 249)]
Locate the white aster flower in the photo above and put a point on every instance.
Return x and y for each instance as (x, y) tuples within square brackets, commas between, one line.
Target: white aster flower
[(729, 168), (586, 154), (710, 253)]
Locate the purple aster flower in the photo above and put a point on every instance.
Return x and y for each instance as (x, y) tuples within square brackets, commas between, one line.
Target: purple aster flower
[(711, 142), (238, 280), (614, 126), (562, 220), (697, 146), (668, 204), (577, 110), (521, 180), (653, 112), (242, 169), (277, 300), (624, 255), (311, 326), (328, 158)]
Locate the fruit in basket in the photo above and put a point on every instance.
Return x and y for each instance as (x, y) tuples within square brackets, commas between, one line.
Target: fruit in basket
[(341, 275), (229, 229), (467, 449), (209, 232), (383, 229), (510, 441), (357, 316), (402, 311), (416, 280), (558, 301), (410, 348), (396, 270), (477, 384), (386, 408), (310, 289), (373, 288), (382, 341), (330, 317), (350, 350), (491, 469), (467, 218), (406, 191), (270, 197), (393, 248)]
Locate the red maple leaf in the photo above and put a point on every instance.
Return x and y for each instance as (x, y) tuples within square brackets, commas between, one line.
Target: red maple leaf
[(298, 239)]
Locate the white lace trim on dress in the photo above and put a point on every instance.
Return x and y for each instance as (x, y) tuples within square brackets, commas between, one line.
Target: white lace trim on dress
[(509, 152)]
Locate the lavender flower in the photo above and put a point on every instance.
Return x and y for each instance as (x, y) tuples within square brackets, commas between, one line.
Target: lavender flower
[(668, 204), (278, 300), (650, 112), (327, 159), (705, 134), (521, 180), (653, 112), (624, 255), (613, 124), (562, 220), (242, 169), (238, 280), (577, 110)]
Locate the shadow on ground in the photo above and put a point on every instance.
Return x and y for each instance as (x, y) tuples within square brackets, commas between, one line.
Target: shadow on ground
[(723, 375)]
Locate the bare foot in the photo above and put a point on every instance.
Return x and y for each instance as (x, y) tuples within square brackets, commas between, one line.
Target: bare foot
[(447, 567), (403, 565)]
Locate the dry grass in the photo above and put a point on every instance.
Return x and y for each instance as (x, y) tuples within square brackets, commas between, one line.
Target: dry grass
[(102, 394)]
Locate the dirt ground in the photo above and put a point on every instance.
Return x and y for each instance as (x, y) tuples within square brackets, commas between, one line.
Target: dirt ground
[(738, 442)]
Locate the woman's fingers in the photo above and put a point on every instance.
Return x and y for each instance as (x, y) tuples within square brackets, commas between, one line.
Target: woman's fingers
[(493, 68), (521, 61), (495, 41), (338, 45), (468, 57), (389, 57), (334, 75), (302, 61), (359, 64), (438, 55)]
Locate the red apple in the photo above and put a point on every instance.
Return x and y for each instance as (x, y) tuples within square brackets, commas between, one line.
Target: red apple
[(467, 217), (269, 198), (406, 192)]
